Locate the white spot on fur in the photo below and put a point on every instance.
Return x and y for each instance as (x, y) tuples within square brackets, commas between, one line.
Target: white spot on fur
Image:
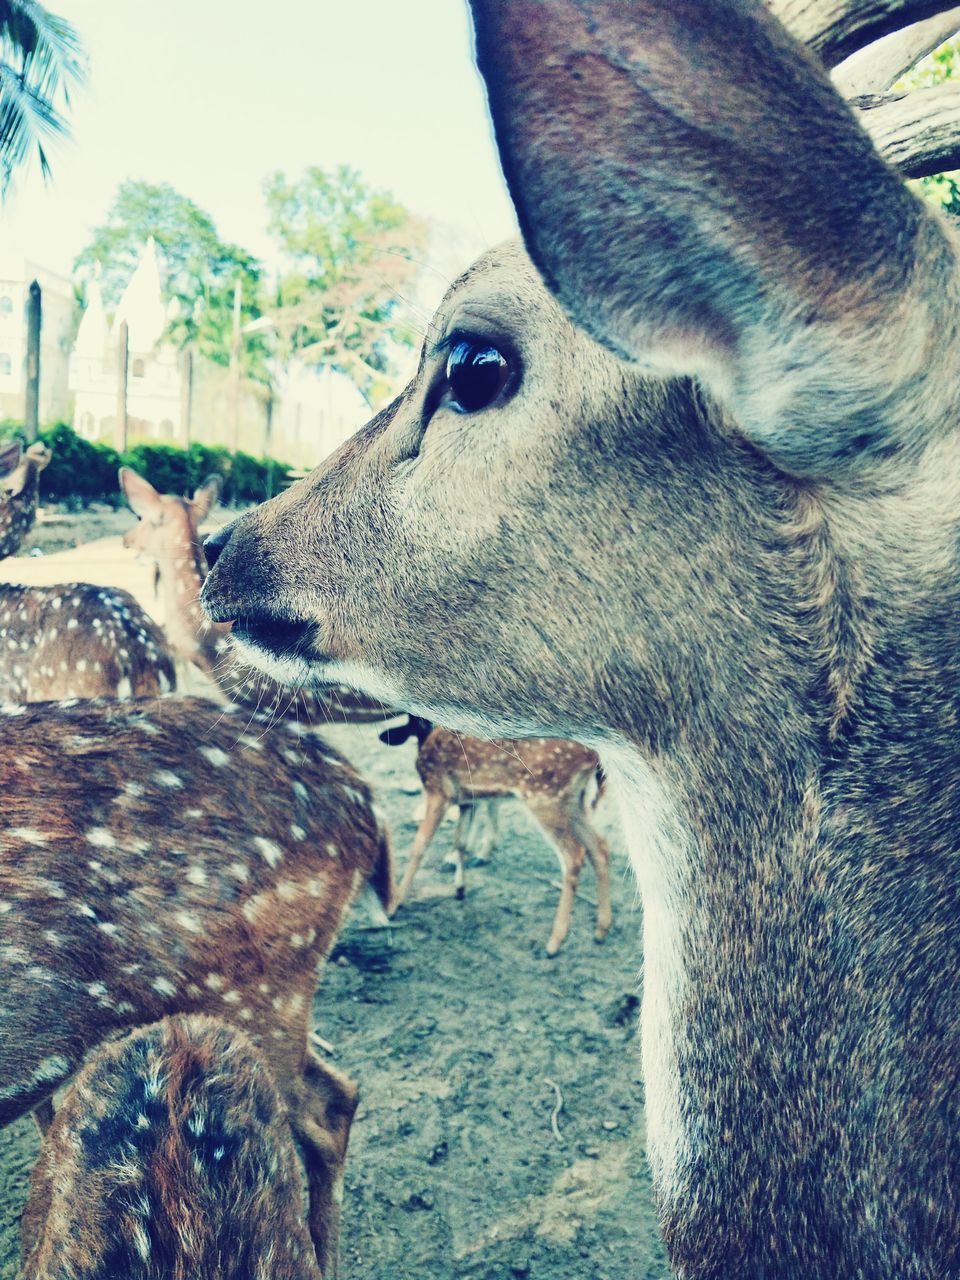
[(164, 987), (101, 838), (166, 778), (269, 850), (215, 756)]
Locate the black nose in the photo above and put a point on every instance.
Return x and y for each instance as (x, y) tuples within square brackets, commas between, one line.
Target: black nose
[(213, 545)]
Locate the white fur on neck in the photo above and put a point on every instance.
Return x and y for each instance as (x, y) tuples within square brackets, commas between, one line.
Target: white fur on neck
[(660, 851)]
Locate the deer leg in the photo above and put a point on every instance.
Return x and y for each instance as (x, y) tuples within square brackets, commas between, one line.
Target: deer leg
[(599, 855), (436, 807), (321, 1117), (556, 822), (465, 824)]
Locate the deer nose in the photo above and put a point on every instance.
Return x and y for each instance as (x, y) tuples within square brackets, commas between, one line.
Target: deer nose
[(213, 545)]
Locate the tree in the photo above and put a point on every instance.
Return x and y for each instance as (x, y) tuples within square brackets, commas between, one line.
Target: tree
[(348, 251), (200, 269), (41, 60)]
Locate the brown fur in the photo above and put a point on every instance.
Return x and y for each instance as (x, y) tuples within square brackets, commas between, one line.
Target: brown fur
[(743, 590), (178, 857), (76, 640), (170, 1158)]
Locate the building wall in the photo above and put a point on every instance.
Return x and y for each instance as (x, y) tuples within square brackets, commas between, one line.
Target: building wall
[(56, 336)]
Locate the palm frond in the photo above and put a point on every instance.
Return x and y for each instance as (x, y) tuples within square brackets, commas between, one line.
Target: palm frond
[(41, 60)]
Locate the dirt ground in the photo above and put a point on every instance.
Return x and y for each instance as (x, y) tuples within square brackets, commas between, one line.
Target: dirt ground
[(464, 1037)]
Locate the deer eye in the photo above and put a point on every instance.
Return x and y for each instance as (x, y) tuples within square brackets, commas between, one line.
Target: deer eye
[(477, 373)]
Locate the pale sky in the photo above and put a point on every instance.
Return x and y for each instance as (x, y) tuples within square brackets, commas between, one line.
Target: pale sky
[(211, 95)]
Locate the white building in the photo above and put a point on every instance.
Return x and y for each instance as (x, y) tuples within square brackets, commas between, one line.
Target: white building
[(58, 307), (153, 374), (307, 415)]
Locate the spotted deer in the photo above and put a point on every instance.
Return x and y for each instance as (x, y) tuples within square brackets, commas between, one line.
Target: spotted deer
[(168, 534), (19, 493), (74, 639), (688, 490), (171, 1155), (178, 857), (556, 781)]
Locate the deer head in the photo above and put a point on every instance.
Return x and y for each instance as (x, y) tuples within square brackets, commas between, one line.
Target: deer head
[(168, 524), (687, 490)]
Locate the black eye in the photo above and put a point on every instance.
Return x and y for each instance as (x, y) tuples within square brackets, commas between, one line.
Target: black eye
[(476, 374)]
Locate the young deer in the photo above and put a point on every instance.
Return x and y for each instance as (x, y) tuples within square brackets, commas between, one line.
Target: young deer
[(554, 779), (72, 640), (741, 589), (170, 1156), (168, 534), (178, 858)]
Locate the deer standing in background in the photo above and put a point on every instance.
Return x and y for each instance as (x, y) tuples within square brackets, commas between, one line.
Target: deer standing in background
[(695, 501), (178, 858), (170, 1155), (167, 533), (74, 639), (554, 779)]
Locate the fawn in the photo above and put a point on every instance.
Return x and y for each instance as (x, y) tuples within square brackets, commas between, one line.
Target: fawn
[(171, 1155), (178, 857), (688, 491), (167, 533), (72, 640), (554, 780)]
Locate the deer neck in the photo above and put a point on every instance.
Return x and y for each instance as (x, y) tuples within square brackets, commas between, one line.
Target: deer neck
[(799, 889), (182, 570)]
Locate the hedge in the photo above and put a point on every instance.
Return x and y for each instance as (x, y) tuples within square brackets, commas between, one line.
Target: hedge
[(82, 472)]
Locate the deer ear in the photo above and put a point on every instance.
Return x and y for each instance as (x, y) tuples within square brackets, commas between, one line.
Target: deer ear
[(9, 457), (703, 202), (205, 498), (140, 494)]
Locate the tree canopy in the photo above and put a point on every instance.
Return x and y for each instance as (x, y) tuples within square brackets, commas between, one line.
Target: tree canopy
[(41, 61), (348, 250), (200, 269)]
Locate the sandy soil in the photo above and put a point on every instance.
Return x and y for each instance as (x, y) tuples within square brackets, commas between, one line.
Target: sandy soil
[(457, 1028)]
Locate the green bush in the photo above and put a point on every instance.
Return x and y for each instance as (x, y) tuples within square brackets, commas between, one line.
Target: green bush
[(78, 471), (82, 472)]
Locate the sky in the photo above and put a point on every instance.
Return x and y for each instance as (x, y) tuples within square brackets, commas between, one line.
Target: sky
[(212, 95)]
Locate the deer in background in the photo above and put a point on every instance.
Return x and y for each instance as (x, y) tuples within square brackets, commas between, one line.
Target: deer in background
[(178, 858), (688, 491), (171, 1155), (168, 534), (74, 639), (554, 779), (19, 493)]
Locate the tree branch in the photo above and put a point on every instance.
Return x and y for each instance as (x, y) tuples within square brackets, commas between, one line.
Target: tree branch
[(838, 28), (878, 67), (919, 132)]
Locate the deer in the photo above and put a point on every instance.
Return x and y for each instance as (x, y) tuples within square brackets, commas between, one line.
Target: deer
[(678, 479), (167, 533), (19, 492), (131, 889), (71, 640), (554, 779), (171, 1155)]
